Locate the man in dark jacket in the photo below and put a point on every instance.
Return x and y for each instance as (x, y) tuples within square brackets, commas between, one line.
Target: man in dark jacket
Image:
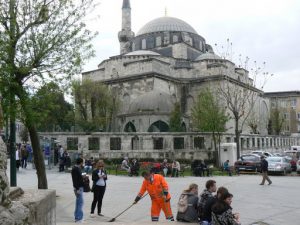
[(78, 189), (264, 171)]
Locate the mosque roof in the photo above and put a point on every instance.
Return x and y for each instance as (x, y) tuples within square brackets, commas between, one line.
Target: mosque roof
[(207, 56), (143, 52), (166, 24)]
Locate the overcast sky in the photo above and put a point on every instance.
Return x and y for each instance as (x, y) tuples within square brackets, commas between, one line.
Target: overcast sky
[(264, 30)]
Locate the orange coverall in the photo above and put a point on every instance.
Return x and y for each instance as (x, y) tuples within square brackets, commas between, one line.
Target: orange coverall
[(160, 201)]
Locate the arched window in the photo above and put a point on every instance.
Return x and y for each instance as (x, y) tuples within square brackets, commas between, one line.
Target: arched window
[(159, 126), (129, 127)]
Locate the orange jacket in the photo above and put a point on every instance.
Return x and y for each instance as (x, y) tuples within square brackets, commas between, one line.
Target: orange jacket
[(156, 188)]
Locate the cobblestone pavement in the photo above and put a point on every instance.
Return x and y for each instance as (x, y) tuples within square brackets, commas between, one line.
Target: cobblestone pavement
[(277, 204)]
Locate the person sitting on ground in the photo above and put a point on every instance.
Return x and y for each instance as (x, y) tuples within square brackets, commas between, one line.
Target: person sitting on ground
[(206, 213), (227, 167), (207, 193), (188, 205), (222, 211), (125, 165)]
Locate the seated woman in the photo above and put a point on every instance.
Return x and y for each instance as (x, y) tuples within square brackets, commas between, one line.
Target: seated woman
[(222, 211), (188, 205)]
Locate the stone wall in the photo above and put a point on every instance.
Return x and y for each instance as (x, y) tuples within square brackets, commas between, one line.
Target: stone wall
[(32, 207)]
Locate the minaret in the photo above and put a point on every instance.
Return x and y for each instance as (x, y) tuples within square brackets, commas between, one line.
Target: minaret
[(125, 35)]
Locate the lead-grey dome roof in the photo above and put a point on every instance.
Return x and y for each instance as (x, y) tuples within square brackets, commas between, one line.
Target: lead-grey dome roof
[(143, 52), (166, 24), (153, 101), (207, 56)]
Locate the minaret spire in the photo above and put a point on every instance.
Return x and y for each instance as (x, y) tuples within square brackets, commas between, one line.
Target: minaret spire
[(125, 35)]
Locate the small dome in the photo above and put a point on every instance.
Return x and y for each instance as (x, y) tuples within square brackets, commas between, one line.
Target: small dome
[(166, 24), (207, 56), (143, 52), (153, 101)]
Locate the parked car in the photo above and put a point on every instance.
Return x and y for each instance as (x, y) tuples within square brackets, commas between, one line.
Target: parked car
[(260, 153), (279, 165), (248, 162), (298, 166)]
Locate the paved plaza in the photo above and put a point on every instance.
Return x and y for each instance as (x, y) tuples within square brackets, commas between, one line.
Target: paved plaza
[(277, 204)]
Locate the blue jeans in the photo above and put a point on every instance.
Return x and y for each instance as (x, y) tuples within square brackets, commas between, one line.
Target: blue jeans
[(205, 223), (78, 205)]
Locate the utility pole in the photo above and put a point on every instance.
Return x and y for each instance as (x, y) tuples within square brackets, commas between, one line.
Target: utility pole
[(12, 110)]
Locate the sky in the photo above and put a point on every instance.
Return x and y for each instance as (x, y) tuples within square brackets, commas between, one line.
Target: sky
[(263, 30)]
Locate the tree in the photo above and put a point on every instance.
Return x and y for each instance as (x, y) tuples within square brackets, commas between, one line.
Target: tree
[(176, 119), (40, 41), (276, 120), (24, 134), (95, 105), (51, 110), (208, 115)]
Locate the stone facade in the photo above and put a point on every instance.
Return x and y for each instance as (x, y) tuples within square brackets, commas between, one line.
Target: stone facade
[(167, 62), (288, 103)]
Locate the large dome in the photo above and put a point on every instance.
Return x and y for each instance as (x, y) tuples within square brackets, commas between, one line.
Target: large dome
[(166, 24)]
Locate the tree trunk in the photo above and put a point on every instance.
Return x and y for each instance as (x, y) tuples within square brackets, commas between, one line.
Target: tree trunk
[(215, 147), (35, 142), (237, 137), (38, 158)]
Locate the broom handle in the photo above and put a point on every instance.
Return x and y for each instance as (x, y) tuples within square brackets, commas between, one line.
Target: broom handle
[(129, 206)]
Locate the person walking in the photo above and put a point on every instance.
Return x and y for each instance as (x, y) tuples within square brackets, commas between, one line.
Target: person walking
[(188, 205), (99, 177), (264, 171), (157, 187), (78, 189)]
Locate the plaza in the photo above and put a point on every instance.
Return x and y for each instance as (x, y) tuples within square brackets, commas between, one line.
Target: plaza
[(276, 204)]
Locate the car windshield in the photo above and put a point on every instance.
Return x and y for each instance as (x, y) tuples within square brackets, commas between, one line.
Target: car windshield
[(274, 159)]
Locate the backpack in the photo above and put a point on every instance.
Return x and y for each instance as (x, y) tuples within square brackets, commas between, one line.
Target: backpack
[(182, 203), (86, 184)]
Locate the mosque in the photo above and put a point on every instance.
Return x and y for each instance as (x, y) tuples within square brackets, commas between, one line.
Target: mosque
[(164, 63)]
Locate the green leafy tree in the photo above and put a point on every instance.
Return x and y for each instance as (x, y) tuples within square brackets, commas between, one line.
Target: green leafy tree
[(51, 110), (176, 119), (209, 116), (95, 105), (40, 41)]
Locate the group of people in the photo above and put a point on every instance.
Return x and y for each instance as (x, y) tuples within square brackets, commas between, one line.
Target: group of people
[(99, 177), (132, 167), (23, 155), (199, 168), (207, 208), (64, 159)]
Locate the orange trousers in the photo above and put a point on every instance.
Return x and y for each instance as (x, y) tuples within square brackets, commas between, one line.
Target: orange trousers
[(158, 205)]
